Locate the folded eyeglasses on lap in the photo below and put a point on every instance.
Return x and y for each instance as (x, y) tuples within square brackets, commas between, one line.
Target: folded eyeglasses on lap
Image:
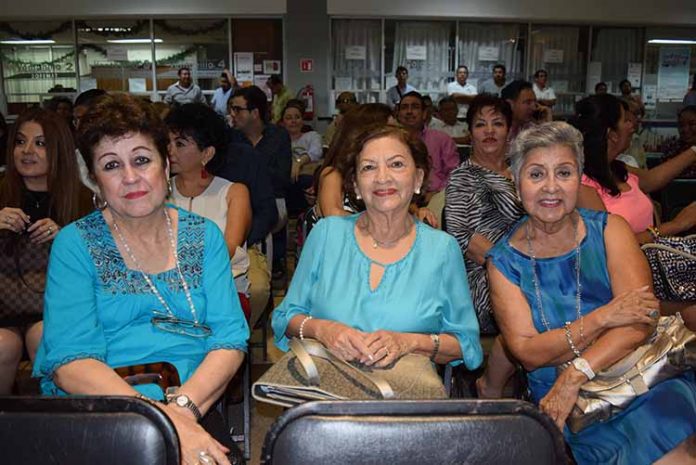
[(172, 324)]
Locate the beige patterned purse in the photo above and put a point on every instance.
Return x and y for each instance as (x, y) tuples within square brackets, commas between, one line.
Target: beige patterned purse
[(308, 371), (670, 352)]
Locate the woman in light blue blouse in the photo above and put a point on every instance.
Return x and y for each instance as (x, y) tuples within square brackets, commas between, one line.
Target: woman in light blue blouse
[(140, 282), (378, 285)]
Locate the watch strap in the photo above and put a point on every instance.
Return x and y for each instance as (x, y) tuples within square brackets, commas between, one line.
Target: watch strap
[(188, 405), (584, 367)]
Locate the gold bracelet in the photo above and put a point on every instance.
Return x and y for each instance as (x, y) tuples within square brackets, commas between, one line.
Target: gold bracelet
[(654, 232)]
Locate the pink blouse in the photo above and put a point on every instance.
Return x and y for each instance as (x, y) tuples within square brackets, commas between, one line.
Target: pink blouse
[(633, 205)]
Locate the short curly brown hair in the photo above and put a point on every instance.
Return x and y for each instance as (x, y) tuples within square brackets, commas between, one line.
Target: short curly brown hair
[(115, 115), (416, 146)]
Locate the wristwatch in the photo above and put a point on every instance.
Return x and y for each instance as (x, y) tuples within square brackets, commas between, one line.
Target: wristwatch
[(583, 366), (182, 400)]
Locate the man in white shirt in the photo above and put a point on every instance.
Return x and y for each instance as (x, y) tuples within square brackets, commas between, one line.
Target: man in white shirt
[(401, 88), (184, 90), (462, 92), (544, 93), (222, 94), (447, 122)]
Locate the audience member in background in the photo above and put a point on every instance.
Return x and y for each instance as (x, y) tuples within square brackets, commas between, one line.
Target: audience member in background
[(481, 203), (634, 155), (184, 90), (525, 109), (140, 282), (402, 87), (63, 106), (690, 97), (281, 96), (601, 88), (608, 184), (429, 109), (553, 311), (344, 102), (448, 123), (197, 133), (39, 194), (228, 86), (378, 285), (241, 163), (441, 148), (544, 93), (306, 146), (494, 86), (249, 114), (686, 125), (627, 92), (461, 91)]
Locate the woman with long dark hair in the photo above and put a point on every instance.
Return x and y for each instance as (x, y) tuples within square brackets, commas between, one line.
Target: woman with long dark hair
[(40, 193), (609, 184)]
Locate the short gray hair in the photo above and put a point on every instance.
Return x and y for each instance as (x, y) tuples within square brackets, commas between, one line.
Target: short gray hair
[(542, 136)]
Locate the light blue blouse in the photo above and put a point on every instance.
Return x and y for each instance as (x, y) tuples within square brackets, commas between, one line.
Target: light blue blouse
[(424, 292), (95, 307)]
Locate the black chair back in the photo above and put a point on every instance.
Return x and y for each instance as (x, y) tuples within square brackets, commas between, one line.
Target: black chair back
[(85, 431), (414, 432)]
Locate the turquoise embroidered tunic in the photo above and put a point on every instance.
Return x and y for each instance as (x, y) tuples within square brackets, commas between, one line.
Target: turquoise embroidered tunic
[(96, 307)]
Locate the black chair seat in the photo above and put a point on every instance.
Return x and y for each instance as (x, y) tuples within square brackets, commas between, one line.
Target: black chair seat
[(85, 431), (414, 432)]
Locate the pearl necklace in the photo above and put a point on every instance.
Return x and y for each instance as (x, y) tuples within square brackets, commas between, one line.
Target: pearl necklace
[(147, 279)]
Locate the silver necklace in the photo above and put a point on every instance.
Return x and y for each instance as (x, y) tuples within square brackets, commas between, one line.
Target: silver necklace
[(385, 244), (147, 279), (535, 278)]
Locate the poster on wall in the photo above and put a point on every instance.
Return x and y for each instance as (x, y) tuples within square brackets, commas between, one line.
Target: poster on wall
[(271, 66), (488, 53), (594, 75), (634, 74), (356, 52), (416, 52), (673, 73), (117, 53), (244, 66), (260, 81), (553, 55), (649, 97)]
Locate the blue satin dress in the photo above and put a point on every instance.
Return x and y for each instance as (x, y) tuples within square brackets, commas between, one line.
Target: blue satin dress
[(424, 292), (654, 423)]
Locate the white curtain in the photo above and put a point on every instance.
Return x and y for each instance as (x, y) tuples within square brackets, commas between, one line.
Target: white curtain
[(504, 37), (615, 48), (357, 74), (431, 74), (568, 74)]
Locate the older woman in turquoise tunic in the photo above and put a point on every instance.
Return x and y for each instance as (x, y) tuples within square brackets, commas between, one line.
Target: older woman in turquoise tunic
[(380, 284), (141, 282), (571, 285)]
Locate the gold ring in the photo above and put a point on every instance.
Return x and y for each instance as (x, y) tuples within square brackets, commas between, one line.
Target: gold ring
[(205, 458)]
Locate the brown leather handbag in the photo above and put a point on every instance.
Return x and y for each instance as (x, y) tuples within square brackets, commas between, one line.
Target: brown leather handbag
[(23, 268)]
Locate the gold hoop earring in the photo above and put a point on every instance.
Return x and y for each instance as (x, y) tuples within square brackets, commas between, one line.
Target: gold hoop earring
[(98, 202)]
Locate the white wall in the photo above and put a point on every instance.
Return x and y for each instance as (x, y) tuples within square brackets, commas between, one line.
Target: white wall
[(42, 9), (639, 12)]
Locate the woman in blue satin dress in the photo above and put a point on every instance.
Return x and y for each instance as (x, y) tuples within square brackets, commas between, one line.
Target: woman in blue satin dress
[(378, 285), (571, 285)]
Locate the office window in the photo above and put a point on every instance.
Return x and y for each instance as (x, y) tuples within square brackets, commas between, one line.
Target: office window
[(357, 58), (613, 49), (38, 57)]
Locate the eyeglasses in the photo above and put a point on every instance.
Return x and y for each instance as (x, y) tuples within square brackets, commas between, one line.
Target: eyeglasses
[(236, 109), (172, 324), (345, 100)]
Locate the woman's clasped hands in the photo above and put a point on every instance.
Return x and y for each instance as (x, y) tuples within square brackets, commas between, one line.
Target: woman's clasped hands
[(379, 349)]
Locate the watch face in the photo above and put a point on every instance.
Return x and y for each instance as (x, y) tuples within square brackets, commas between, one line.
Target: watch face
[(181, 401)]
